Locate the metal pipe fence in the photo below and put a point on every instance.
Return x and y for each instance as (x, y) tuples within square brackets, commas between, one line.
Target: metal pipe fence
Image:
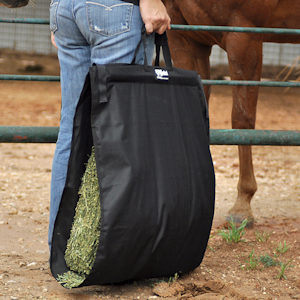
[(21, 134), (27, 134), (179, 27), (204, 81)]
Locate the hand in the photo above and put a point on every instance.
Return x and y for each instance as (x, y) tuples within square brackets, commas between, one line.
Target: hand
[(155, 16), (53, 40)]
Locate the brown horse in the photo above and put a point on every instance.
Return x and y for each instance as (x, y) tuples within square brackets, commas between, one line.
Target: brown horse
[(192, 49), (13, 3)]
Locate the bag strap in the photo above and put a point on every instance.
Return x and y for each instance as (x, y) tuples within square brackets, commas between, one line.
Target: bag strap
[(142, 41), (161, 41)]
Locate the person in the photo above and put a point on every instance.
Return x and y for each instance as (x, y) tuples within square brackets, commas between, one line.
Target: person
[(87, 32)]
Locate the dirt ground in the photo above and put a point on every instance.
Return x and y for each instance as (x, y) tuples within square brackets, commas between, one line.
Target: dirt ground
[(228, 271)]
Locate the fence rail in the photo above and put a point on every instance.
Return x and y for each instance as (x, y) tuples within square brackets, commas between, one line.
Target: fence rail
[(204, 81), (236, 29), (21, 134), (179, 27), (25, 21)]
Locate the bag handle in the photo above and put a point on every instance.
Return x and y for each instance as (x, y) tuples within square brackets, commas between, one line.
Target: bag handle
[(161, 41)]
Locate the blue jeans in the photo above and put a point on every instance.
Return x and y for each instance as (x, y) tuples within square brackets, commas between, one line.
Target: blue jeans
[(87, 32)]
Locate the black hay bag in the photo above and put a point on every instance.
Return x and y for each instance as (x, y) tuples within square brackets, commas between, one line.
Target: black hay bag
[(150, 131)]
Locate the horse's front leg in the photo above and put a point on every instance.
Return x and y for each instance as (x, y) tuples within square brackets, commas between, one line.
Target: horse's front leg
[(188, 54), (245, 63)]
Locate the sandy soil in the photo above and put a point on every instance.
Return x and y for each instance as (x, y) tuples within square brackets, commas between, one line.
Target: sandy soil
[(225, 272)]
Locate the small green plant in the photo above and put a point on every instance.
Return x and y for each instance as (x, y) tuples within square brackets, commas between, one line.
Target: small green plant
[(268, 261), (212, 235), (283, 267), (282, 248), (234, 233), (253, 261), (173, 278), (212, 249), (262, 236)]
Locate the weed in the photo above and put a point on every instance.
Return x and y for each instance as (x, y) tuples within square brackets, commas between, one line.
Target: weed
[(234, 233), (282, 270), (262, 236), (173, 278), (268, 261), (253, 261), (282, 248), (211, 248)]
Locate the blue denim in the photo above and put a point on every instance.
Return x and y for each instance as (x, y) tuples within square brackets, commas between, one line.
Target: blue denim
[(87, 32)]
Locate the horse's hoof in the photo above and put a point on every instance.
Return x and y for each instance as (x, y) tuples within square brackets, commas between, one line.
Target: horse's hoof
[(239, 219)]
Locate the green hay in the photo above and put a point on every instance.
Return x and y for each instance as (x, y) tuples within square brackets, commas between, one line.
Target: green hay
[(84, 237), (71, 279)]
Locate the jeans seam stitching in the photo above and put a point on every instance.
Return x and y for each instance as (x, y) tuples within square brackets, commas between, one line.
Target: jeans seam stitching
[(109, 7), (128, 16)]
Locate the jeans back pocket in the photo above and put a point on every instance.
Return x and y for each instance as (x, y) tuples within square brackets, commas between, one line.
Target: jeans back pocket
[(53, 15), (109, 17)]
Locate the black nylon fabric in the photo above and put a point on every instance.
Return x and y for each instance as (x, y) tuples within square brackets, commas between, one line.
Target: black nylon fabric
[(156, 177), (82, 142), (135, 2)]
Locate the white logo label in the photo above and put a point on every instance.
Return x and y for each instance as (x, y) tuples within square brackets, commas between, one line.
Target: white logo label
[(162, 74)]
